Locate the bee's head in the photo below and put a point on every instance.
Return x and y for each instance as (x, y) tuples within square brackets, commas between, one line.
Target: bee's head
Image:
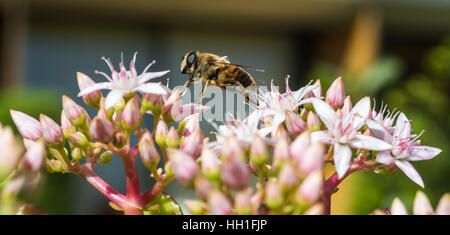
[(188, 62)]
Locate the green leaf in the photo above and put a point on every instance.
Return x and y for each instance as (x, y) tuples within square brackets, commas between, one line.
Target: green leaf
[(163, 204)]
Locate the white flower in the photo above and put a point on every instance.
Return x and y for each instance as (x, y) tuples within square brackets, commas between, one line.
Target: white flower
[(123, 82), (385, 120), (343, 132), (404, 148), (273, 104)]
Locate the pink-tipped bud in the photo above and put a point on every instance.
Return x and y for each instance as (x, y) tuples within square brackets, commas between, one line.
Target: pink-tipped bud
[(274, 195), (210, 164), (161, 133), (443, 207), (310, 189), (398, 208), (92, 99), (119, 140), (313, 122), (172, 138), (297, 149), (280, 152), (294, 124), (231, 148), (153, 102), (78, 139), (259, 154), (196, 207), (219, 204), (288, 177), (131, 114), (147, 150), (313, 159), (422, 205), (101, 130), (242, 204), (35, 155), (234, 173), (336, 93), (316, 209), (183, 165), (66, 125), (14, 186), (278, 133), (28, 127), (11, 152), (190, 124), (75, 113), (192, 145), (51, 131), (202, 187)]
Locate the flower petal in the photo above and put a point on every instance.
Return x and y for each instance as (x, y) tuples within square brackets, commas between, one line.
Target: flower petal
[(398, 208), (143, 78), (361, 111), (151, 87), (422, 205), (384, 157), (342, 157), (410, 171), (402, 127), (325, 112), (113, 97), (369, 142), (379, 130), (321, 136), (420, 152), (95, 87)]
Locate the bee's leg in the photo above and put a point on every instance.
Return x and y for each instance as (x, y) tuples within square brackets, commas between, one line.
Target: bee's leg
[(202, 94)]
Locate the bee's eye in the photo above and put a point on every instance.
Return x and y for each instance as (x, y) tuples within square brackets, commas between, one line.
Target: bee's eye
[(191, 58)]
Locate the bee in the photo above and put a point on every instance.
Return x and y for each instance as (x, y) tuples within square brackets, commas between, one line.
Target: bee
[(216, 71)]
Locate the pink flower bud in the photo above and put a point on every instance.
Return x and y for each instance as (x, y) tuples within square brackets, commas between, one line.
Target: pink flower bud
[(288, 177), (280, 152), (312, 160), (161, 133), (278, 133), (242, 202), (35, 155), (14, 186), (231, 148), (316, 92), (196, 207), (192, 145), (183, 165), (66, 126), (92, 99), (422, 205), (202, 187), (219, 204), (28, 127), (294, 124), (78, 139), (11, 151), (51, 131), (101, 130), (131, 114), (147, 150), (336, 93), (316, 209), (258, 151), (313, 122), (297, 149), (311, 187), (234, 173), (443, 207), (274, 195), (398, 208), (172, 138), (191, 124), (74, 112), (210, 164), (119, 140)]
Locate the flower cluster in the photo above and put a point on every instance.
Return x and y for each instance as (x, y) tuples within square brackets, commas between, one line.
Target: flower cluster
[(270, 162)]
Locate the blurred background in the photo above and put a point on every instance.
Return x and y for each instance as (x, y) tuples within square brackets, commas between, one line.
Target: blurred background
[(397, 51)]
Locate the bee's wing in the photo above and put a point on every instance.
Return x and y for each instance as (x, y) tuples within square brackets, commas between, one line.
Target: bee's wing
[(238, 65)]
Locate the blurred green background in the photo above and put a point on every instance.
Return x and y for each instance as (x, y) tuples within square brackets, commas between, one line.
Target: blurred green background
[(395, 51)]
